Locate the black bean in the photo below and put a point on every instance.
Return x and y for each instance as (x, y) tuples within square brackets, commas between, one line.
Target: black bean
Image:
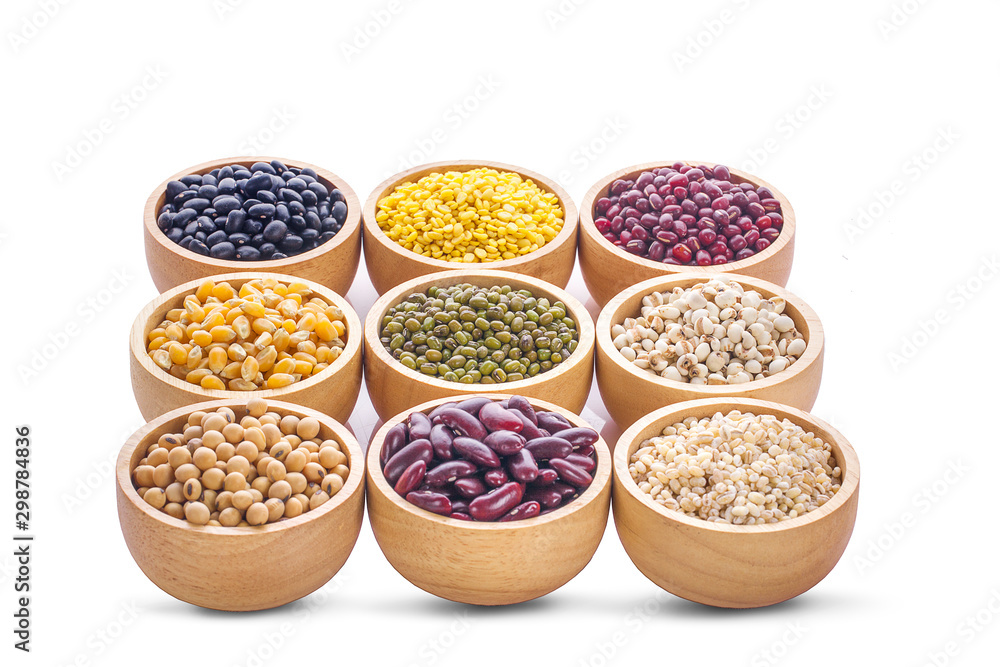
[(183, 217), (206, 224), (183, 198), (336, 195), (290, 195), (257, 240), (257, 182), (319, 190), (201, 236), (297, 223), (263, 166), (175, 235), (239, 239), (224, 173), (208, 192), (227, 186), (198, 247), (261, 211), (249, 203), (309, 198), (296, 208), (247, 252), (279, 255), (191, 179), (281, 213), (278, 166), (267, 197), (313, 221), (309, 171), (309, 236), (253, 227), (216, 238), (165, 221), (326, 236), (339, 212), (297, 184), (209, 178), (275, 231), (197, 203), (174, 188), (290, 244), (235, 221), (191, 228), (223, 204), (330, 225), (266, 249), (323, 210), (185, 242), (224, 250), (241, 173)]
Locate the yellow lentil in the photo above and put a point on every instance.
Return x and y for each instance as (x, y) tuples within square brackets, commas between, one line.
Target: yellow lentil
[(480, 215)]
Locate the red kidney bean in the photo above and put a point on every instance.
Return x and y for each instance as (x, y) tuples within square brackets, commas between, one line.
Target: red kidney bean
[(412, 478), (565, 490), (522, 467), (496, 477), (570, 473), (436, 411), (459, 505), (420, 425), (430, 501), (493, 505), (496, 418), (470, 487), (473, 405), (552, 422), (547, 496), (460, 515), (441, 440), (528, 429), (463, 422), (523, 511), (586, 450), (477, 452), (418, 450), (552, 447), (449, 471), (504, 443), (583, 462), (522, 404), (395, 440), (579, 436), (546, 476)]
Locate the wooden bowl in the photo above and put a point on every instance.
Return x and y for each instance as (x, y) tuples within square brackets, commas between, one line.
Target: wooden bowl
[(332, 264), (334, 391), (390, 264), (240, 569), (393, 387), (630, 392), (608, 269), (487, 563), (726, 565)]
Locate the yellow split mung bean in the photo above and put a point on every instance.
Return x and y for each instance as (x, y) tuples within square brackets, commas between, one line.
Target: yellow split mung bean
[(207, 480), (480, 215), (738, 468), (266, 335)]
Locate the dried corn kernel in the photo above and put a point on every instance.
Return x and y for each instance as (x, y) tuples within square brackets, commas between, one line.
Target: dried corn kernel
[(480, 215), (243, 339)]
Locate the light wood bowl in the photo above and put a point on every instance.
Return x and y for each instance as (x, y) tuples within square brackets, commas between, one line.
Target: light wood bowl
[(630, 392), (332, 264), (487, 563), (393, 387), (608, 269), (390, 264), (725, 565), (240, 569), (334, 391)]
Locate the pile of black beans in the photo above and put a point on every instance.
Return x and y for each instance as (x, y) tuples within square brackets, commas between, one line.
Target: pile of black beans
[(266, 211)]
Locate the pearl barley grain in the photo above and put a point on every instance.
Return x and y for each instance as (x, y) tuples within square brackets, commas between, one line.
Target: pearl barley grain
[(220, 478)]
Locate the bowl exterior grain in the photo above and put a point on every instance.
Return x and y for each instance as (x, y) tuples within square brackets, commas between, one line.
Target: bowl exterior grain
[(390, 264), (726, 565), (393, 387), (630, 392), (334, 391), (487, 563), (240, 569), (332, 264), (608, 269)]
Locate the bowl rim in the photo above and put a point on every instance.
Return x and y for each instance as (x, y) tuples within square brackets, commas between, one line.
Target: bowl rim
[(378, 482), (584, 325), (141, 328), (348, 230), (571, 215), (847, 459), (353, 483), (814, 336), (587, 220)]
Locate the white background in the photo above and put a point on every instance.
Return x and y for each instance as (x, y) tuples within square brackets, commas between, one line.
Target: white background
[(833, 103)]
